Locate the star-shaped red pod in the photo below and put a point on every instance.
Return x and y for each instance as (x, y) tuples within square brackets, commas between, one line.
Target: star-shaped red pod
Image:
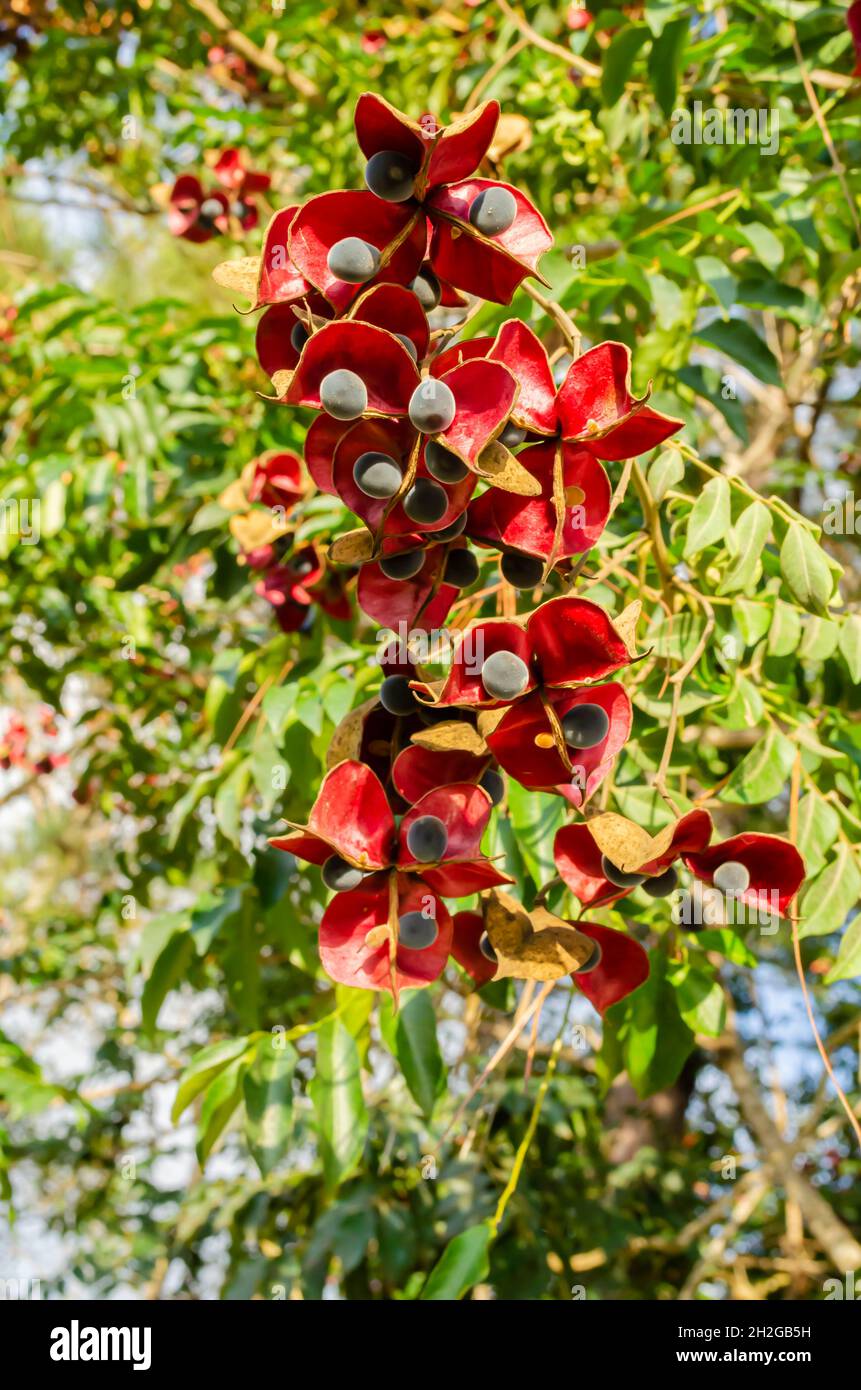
[(241, 183), (398, 232), (467, 931), (184, 215), (622, 967), (853, 19), (594, 407), (578, 850), (422, 600), (359, 946), (277, 479), (563, 643), (352, 818), (443, 159), (775, 868), (299, 582), (529, 744), (418, 770)]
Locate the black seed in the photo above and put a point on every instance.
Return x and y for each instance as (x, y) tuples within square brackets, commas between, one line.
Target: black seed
[(416, 932), (377, 475), (409, 345), (436, 716), (425, 501), (445, 466), (403, 566), (584, 726), (451, 532), (240, 209), (341, 876), (512, 435), (396, 696), (432, 406), (353, 260), (663, 885), (426, 288), (493, 211), (299, 335), (343, 395), (591, 961), (427, 839), (211, 208), (521, 571), (618, 876), (461, 569), (494, 785), (391, 175), (486, 949), (504, 676), (731, 877)]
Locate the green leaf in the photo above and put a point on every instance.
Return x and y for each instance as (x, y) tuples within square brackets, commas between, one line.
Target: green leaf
[(666, 470), (657, 1040), (268, 1092), (618, 60), (784, 635), (736, 339), (820, 639), (848, 962), (169, 969), (745, 542), (219, 1104), (203, 1068), (464, 1263), (805, 568), (709, 520), (727, 943), (828, 900), (701, 1000), (719, 279), (417, 1049), (762, 773), (535, 818), (818, 827), (665, 62), (850, 645), (336, 1093)]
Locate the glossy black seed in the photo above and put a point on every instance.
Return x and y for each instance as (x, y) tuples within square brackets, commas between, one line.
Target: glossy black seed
[(391, 175), (432, 406), (343, 395), (504, 676), (341, 876), (402, 566), (426, 288), (396, 696), (377, 475), (451, 532), (409, 345), (240, 209), (425, 501), (591, 961), (416, 932), (731, 877), (494, 784), (521, 571), (584, 726), (493, 211), (663, 885), (486, 948), (445, 466), (461, 569), (618, 876), (299, 335), (353, 260), (427, 839), (512, 435), (211, 208)]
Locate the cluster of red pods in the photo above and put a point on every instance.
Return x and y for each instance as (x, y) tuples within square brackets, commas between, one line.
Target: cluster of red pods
[(445, 448), (196, 213)]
